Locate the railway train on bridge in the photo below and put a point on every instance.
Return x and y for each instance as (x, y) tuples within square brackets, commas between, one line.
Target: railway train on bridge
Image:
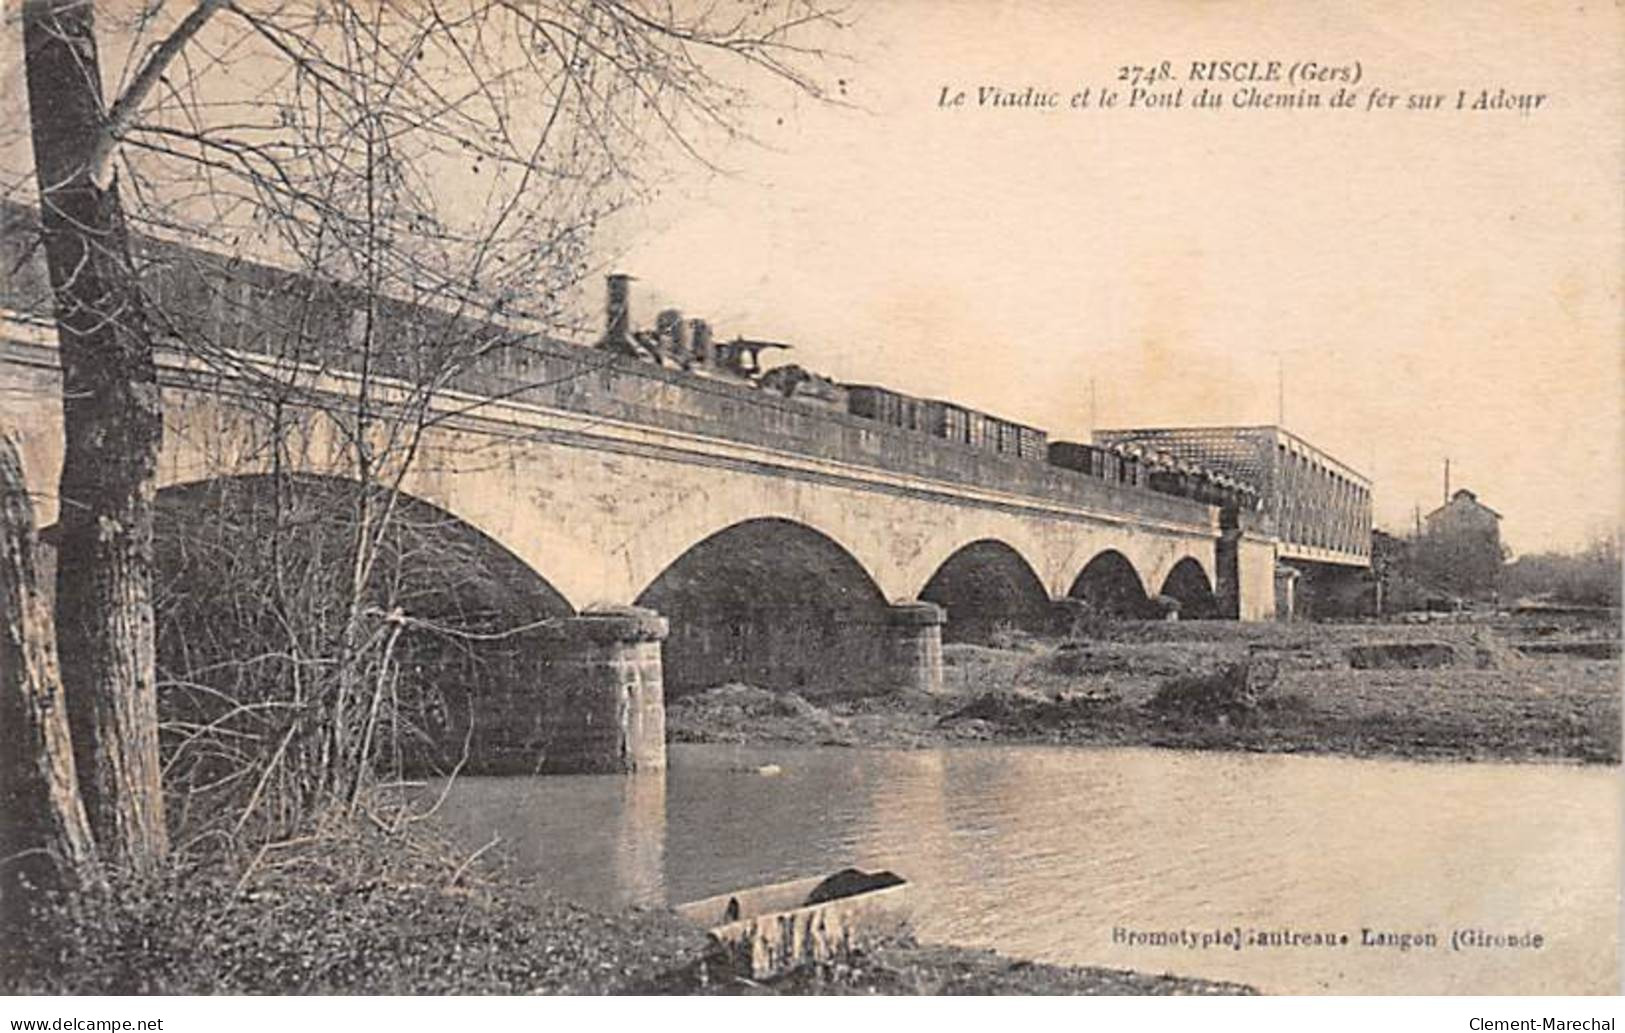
[(688, 344)]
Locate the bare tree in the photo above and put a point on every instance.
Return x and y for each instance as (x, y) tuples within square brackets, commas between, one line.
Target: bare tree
[(45, 840), (1468, 562), (112, 430), (433, 172)]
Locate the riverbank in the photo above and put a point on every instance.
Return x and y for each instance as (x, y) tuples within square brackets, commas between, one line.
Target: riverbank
[(358, 910), (1448, 690), (911, 969)]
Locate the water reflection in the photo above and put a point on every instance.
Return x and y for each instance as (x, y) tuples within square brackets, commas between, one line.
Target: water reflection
[(1043, 852), (597, 839)]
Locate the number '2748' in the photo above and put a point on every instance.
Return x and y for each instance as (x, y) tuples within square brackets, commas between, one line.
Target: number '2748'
[(1145, 75)]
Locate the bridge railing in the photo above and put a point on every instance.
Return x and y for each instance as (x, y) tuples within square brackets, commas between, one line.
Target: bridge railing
[(588, 381)]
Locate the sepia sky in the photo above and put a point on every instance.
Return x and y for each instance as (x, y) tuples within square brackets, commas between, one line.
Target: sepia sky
[(1427, 284), (1430, 283)]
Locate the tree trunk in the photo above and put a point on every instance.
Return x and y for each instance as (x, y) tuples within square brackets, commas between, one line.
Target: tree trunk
[(112, 431), (45, 841)]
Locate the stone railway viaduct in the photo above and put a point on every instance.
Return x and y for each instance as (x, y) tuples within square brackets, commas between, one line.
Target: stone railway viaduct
[(687, 531)]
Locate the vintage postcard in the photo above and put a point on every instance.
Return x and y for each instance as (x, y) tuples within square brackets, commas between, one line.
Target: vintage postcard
[(904, 497)]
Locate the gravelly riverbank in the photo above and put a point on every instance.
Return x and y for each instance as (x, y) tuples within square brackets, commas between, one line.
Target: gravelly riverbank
[(1486, 702)]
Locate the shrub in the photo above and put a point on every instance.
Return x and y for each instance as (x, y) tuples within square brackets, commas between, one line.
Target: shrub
[(1233, 691)]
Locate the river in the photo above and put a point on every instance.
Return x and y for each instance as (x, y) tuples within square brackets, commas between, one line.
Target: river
[(1096, 856)]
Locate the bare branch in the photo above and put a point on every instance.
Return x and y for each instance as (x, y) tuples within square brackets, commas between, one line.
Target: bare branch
[(122, 111)]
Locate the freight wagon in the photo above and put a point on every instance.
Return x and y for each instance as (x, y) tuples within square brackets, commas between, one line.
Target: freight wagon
[(1019, 440), (885, 406), (1103, 463), (946, 420)]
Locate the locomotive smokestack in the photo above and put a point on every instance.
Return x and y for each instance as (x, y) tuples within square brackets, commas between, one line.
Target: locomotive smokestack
[(699, 337), (673, 335), (669, 324), (618, 315)]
